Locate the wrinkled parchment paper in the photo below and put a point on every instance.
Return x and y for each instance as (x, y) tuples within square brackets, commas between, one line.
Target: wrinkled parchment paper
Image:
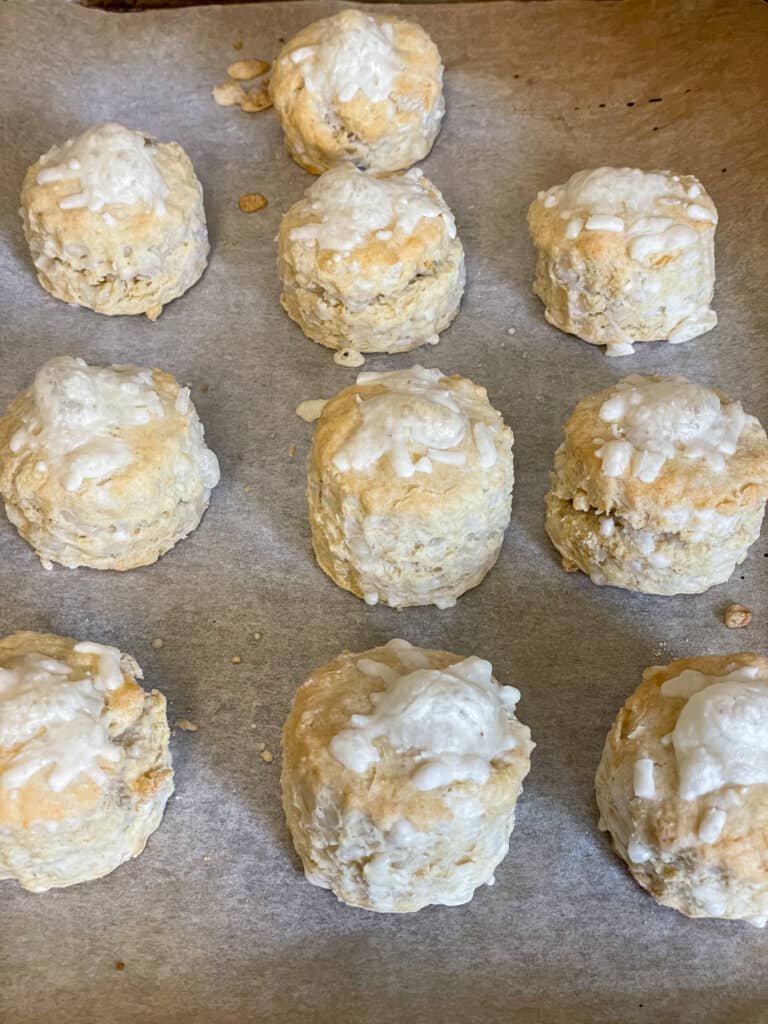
[(214, 923)]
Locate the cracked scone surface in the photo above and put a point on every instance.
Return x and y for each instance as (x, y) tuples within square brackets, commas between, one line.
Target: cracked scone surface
[(409, 487), (625, 255), (660, 486), (401, 771), (115, 221), (85, 770), (682, 786), (104, 466), (362, 89), (371, 262)]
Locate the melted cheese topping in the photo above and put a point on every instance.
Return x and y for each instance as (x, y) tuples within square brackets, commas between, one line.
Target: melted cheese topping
[(653, 421), (356, 55), (108, 166), (353, 208), (452, 722), (52, 718), (721, 735), (78, 410), (636, 203), (414, 424)]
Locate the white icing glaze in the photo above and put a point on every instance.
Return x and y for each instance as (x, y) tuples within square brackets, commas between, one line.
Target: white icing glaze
[(355, 208), (712, 824), (358, 57), (721, 735), (653, 421), (52, 716), (644, 784), (453, 722), (638, 203), (111, 166), (638, 852), (603, 222), (414, 423), (77, 410)]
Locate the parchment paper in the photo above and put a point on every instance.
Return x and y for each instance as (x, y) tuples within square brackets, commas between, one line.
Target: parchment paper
[(214, 923)]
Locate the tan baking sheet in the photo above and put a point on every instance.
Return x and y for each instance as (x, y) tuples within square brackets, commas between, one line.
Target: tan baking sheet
[(214, 923)]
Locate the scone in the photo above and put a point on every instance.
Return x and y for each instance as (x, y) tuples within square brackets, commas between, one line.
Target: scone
[(401, 771), (115, 221), (104, 466), (682, 786), (660, 486), (626, 255), (371, 262), (362, 89), (85, 770), (410, 487)]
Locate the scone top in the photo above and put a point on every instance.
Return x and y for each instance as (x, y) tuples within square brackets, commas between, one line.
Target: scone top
[(346, 83), (664, 449), (358, 234), (110, 181), (410, 426), (654, 213), (62, 703), (402, 730), (83, 426)]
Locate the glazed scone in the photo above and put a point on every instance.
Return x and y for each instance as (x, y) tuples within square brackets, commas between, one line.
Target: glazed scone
[(115, 221), (625, 255), (401, 771), (85, 770), (104, 466), (410, 487), (682, 786), (371, 262), (362, 89), (660, 486)]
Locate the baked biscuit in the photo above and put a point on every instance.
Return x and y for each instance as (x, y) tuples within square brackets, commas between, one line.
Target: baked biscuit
[(104, 466), (85, 770), (371, 262), (626, 255), (660, 486), (115, 221), (401, 771), (362, 89), (682, 786), (410, 487)]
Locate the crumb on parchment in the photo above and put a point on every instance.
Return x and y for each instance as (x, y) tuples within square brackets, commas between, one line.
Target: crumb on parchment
[(246, 70), (310, 410), (251, 202), (736, 616), (185, 725)]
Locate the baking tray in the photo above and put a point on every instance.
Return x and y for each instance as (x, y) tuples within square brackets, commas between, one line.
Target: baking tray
[(214, 922)]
